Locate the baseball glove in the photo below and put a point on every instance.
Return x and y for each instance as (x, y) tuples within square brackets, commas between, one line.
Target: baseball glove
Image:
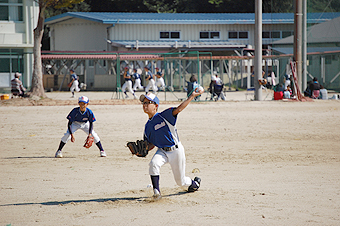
[(139, 148), (69, 85), (89, 141)]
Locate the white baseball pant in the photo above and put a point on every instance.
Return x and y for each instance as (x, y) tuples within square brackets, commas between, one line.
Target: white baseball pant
[(127, 85), (85, 126), (176, 159), (75, 86), (137, 85), (152, 85), (160, 82)]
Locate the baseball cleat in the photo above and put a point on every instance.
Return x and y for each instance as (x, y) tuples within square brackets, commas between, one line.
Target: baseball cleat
[(58, 154), (157, 194), (102, 154), (195, 187)]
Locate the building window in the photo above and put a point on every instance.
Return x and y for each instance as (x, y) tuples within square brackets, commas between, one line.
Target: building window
[(209, 35), (11, 61), (238, 34), (265, 34), (271, 34), (276, 34), (243, 35), (286, 34), (11, 10), (174, 35), (169, 35), (233, 34)]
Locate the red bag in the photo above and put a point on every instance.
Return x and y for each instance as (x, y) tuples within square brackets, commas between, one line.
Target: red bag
[(278, 95)]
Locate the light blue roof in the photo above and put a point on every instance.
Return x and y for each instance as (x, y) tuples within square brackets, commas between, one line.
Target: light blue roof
[(189, 18)]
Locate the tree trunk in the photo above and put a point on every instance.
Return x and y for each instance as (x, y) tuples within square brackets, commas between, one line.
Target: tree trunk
[(37, 88)]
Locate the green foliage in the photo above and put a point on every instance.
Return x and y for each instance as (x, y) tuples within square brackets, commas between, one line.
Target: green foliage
[(61, 3), (323, 6), (81, 7), (161, 6), (208, 6), (117, 6)]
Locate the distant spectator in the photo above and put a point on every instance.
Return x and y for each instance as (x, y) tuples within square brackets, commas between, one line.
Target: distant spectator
[(287, 80), (315, 88), (212, 83), (17, 88), (218, 89), (307, 92), (323, 93), (192, 85), (288, 93)]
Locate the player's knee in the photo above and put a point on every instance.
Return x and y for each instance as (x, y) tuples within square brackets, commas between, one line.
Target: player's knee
[(154, 168), (66, 138)]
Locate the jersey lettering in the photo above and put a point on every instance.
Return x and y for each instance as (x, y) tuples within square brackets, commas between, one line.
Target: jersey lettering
[(158, 126)]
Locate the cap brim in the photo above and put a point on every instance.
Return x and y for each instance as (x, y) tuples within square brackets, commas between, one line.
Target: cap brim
[(143, 96)]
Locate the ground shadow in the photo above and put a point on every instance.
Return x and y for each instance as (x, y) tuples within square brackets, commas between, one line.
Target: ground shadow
[(57, 203), (34, 157)]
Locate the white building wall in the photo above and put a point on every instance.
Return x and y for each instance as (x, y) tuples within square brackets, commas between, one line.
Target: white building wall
[(151, 32), (78, 35), (19, 35)]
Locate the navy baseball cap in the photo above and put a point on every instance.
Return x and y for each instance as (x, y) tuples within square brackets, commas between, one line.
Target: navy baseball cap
[(83, 99), (147, 68), (149, 96)]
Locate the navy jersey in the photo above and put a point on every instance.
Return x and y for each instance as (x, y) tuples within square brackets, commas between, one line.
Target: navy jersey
[(74, 76), (160, 130), (128, 75), (76, 116), (136, 76), (159, 73), (149, 74)]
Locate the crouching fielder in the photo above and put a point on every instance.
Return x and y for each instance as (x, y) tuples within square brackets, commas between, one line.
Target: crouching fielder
[(80, 118), (160, 131)]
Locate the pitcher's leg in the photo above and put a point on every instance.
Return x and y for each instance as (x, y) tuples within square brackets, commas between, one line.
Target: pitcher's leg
[(177, 162), (157, 161)]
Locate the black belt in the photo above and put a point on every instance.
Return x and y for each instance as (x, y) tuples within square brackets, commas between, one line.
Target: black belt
[(170, 148)]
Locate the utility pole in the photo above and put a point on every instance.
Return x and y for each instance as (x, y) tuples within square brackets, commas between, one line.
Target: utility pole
[(304, 46), (258, 49), (298, 40)]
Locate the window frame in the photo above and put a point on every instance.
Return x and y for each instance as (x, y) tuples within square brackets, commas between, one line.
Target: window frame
[(238, 35), (170, 35), (291, 33), (209, 35), (20, 10)]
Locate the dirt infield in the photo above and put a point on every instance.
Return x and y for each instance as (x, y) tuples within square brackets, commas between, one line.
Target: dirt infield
[(261, 163)]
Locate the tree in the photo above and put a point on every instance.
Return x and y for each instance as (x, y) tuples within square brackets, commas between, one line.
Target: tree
[(37, 88)]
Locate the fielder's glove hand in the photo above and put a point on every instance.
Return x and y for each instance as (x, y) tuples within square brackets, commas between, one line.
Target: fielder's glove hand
[(139, 148), (89, 141)]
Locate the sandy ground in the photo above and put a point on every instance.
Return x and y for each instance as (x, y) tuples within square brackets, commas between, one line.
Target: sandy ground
[(261, 163)]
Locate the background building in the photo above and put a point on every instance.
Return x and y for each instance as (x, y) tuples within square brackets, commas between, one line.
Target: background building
[(222, 35), (18, 18)]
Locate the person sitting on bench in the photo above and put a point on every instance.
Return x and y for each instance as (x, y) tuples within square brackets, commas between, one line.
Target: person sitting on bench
[(17, 88)]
